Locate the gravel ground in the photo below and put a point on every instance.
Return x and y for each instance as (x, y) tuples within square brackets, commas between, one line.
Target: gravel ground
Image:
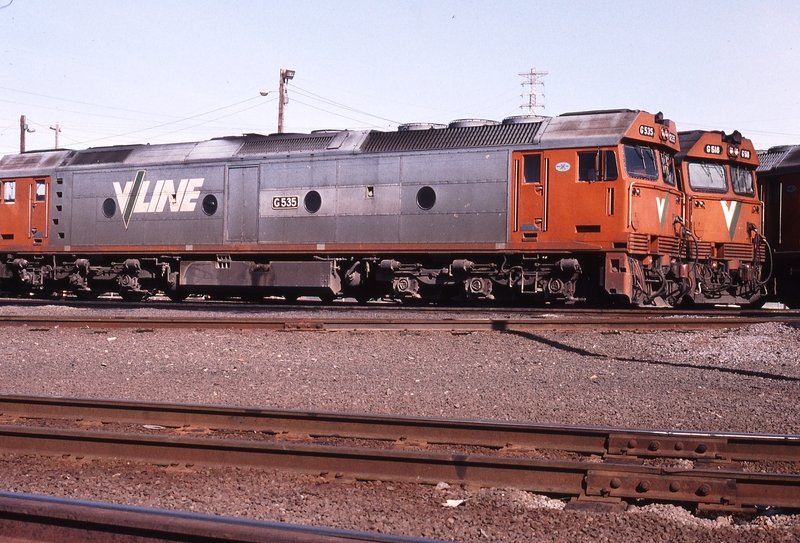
[(733, 380)]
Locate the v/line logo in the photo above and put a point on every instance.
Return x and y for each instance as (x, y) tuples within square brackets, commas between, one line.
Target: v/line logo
[(731, 211), (133, 197), (661, 203)]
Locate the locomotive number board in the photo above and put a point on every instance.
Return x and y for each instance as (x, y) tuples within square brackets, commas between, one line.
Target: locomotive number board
[(285, 202)]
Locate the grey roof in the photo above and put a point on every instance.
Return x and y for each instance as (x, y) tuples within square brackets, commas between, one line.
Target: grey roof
[(593, 128), (588, 129), (784, 159)]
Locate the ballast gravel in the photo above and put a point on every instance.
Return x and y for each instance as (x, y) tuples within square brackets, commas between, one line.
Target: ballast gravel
[(729, 380)]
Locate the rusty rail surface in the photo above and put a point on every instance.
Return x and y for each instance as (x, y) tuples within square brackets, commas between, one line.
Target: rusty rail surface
[(719, 487), (607, 441), (573, 321), (40, 519)]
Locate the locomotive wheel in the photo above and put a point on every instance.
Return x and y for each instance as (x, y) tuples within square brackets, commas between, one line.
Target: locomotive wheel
[(134, 295), (87, 295), (176, 295)]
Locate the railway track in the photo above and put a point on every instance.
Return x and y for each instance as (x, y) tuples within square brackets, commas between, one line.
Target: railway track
[(40, 519), (445, 321), (312, 316), (617, 469)]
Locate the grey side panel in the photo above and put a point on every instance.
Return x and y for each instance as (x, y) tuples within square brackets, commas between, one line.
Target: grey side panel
[(471, 197), (241, 210), (374, 199), (178, 220), (474, 166), (311, 229), (300, 173)]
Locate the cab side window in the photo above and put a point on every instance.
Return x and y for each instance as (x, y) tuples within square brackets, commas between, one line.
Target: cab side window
[(532, 169), (597, 166), (667, 168), (9, 192), (41, 190)]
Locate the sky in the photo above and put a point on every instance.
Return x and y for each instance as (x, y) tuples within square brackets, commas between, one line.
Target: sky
[(155, 71)]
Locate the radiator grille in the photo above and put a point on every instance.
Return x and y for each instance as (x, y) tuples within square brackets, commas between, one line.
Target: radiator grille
[(638, 243), (102, 156), (451, 138), (667, 246), (702, 249), (741, 251), (284, 145)]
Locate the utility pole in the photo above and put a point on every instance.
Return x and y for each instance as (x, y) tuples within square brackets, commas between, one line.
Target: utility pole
[(23, 129), (57, 128), (286, 75), (533, 80)]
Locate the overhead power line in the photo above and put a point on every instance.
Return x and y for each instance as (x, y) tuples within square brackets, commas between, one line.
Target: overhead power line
[(314, 96)]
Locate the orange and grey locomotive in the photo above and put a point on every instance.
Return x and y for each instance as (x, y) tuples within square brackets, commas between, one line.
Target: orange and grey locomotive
[(530, 210)]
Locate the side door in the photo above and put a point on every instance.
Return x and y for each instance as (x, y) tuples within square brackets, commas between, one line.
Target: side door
[(24, 210), (529, 195), (241, 205), (38, 217)]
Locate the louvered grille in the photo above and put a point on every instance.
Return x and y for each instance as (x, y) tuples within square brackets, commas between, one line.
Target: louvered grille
[(106, 156), (284, 145), (638, 243), (451, 138), (701, 249), (741, 251), (667, 246)]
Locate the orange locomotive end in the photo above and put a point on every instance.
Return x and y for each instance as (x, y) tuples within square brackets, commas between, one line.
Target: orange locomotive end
[(722, 217), (611, 199)]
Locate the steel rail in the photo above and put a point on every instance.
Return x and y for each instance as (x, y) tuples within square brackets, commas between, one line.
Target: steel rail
[(710, 488), (339, 323), (41, 519), (607, 441), (198, 305)]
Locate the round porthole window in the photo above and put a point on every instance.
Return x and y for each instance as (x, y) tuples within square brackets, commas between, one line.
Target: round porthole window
[(426, 197), (109, 207), (312, 201), (210, 204)]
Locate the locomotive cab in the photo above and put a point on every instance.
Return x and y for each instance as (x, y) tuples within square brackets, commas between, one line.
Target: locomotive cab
[(605, 192), (723, 217)]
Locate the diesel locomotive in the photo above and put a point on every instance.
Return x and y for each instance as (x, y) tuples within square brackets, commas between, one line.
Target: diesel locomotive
[(722, 218), (581, 206)]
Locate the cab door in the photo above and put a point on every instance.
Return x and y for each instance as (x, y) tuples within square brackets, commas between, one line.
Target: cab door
[(38, 192), (24, 210), (529, 195)]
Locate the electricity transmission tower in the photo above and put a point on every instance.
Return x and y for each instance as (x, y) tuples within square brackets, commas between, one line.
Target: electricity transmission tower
[(533, 80)]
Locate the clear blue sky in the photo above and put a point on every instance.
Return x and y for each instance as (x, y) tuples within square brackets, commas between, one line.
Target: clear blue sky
[(147, 71)]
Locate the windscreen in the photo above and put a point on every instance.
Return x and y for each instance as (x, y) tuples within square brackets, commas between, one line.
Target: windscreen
[(641, 162), (742, 181), (707, 177), (667, 168)]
